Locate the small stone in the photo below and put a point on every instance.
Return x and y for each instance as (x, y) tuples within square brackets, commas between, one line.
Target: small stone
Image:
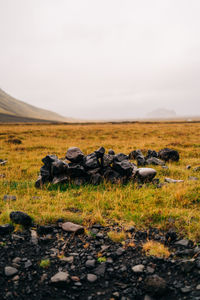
[(170, 180), (75, 278), (155, 285), (120, 251), (28, 264), (138, 268), (16, 278), (71, 227), (16, 260), (183, 243), (61, 278), (10, 271), (116, 294), (9, 198), (198, 287), (68, 259), (91, 278), (186, 289), (187, 265), (150, 270), (34, 237), (197, 169), (193, 178), (100, 270), (90, 263)]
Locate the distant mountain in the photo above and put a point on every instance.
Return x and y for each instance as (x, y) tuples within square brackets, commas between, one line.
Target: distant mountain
[(162, 113), (18, 110)]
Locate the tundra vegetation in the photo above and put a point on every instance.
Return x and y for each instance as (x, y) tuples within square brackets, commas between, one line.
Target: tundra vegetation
[(173, 206)]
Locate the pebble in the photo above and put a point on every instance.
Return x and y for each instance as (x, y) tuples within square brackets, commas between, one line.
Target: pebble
[(10, 271), (60, 278), (90, 263), (91, 277), (9, 198), (138, 268), (183, 243)]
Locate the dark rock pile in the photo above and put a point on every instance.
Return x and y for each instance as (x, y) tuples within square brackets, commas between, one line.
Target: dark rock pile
[(98, 166)]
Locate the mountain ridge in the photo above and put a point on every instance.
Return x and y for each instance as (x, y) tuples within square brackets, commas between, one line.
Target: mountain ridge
[(17, 108)]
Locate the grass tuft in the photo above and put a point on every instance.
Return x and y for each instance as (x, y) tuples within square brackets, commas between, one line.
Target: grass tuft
[(152, 248), (117, 237)]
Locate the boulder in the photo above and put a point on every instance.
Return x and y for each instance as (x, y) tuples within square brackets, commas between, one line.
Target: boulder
[(96, 179), (100, 152), (79, 181), (60, 179), (45, 172), (91, 161), (167, 154), (151, 153), (124, 167), (111, 152), (107, 160), (120, 157), (155, 161), (111, 175), (47, 160), (21, 218), (58, 167), (146, 174), (137, 154), (74, 155), (76, 170)]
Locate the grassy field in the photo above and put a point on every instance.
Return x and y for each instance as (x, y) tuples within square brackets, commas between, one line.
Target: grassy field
[(175, 206)]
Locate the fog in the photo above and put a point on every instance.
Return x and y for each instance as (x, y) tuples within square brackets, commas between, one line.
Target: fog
[(102, 59)]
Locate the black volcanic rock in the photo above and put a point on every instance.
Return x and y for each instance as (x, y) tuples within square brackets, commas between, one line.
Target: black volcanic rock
[(58, 167), (100, 152), (6, 229), (124, 167), (167, 154), (120, 157), (49, 159), (74, 155), (21, 218), (76, 170), (91, 161)]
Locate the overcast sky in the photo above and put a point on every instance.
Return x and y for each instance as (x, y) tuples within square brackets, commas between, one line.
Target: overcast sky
[(102, 58)]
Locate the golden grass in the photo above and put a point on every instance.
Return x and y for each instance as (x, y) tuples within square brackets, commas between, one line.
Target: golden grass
[(157, 249), (173, 206), (117, 237)]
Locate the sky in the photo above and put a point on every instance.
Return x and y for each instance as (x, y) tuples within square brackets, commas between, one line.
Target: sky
[(108, 59)]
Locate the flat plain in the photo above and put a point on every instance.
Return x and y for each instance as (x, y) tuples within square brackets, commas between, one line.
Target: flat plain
[(174, 206)]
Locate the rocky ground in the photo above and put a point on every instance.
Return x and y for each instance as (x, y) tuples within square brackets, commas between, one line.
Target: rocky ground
[(52, 263)]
